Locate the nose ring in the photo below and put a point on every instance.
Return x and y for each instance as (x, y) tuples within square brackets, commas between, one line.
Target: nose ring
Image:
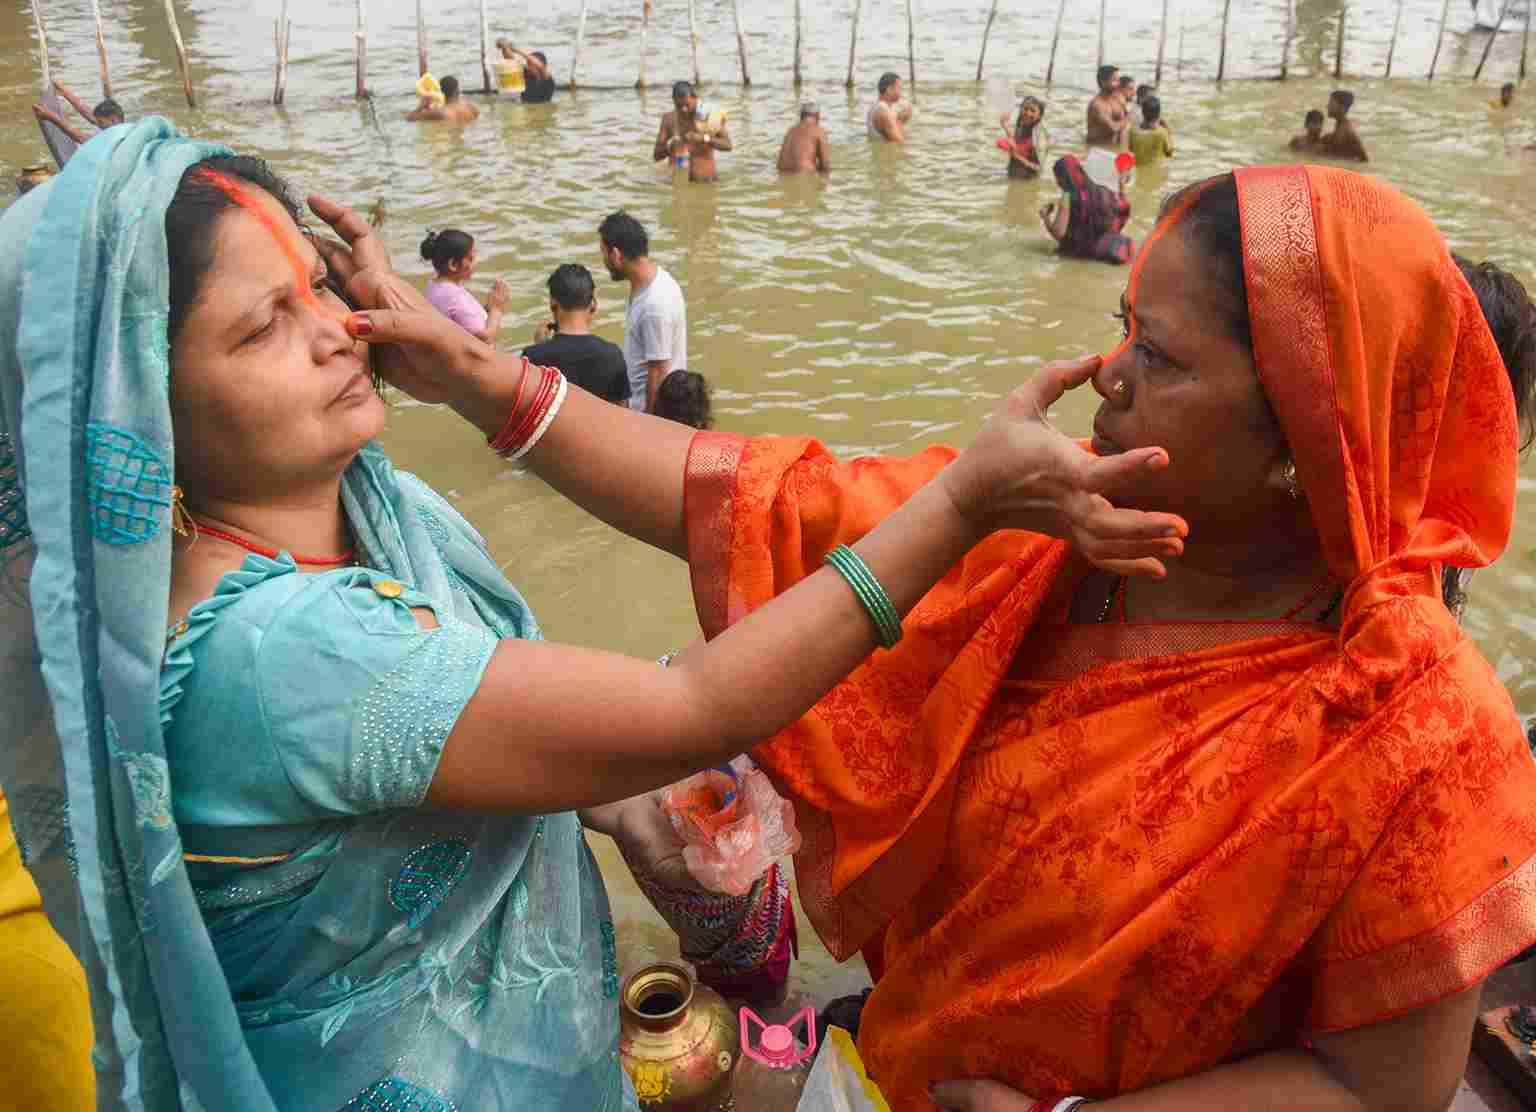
[(1118, 389)]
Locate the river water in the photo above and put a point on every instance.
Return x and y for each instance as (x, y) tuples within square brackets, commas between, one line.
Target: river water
[(884, 309)]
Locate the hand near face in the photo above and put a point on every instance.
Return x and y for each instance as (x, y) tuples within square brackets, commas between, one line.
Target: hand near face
[(501, 294)]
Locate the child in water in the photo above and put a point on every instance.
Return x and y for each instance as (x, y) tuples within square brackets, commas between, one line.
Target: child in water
[(683, 396), (1027, 139), (452, 255), (1311, 139)]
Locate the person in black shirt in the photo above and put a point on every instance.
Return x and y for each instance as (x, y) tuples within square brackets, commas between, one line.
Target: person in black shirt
[(538, 80), (567, 342)]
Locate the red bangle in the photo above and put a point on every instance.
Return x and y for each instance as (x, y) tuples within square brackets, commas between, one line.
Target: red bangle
[(497, 441), (508, 442)]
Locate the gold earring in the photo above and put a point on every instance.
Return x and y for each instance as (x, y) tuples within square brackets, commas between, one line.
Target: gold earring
[(182, 523), (1119, 388), (1288, 473)]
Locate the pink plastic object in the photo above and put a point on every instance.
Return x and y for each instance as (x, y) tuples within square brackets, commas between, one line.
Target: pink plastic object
[(776, 1050), (733, 826), (1125, 162), (1004, 144)]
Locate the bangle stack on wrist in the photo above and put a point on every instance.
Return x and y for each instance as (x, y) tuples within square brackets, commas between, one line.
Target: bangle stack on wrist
[(847, 563), (1065, 1104), (524, 430)]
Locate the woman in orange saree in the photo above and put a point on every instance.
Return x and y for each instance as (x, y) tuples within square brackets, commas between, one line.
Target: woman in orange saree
[(1226, 840)]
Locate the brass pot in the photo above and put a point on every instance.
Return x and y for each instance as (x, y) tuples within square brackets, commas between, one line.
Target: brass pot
[(31, 177), (678, 1040)]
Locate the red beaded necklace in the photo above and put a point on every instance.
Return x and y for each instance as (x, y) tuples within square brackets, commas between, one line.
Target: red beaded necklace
[(271, 553)]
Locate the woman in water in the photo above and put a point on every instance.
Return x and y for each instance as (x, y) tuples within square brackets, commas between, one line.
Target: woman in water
[(1027, 139), (1087, 222), (453, 257)]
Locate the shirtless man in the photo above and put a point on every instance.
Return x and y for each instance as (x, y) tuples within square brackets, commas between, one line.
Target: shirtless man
[(106, 114), (1343, 141), (890, 115), (1108, 121), (684, 129), (805, 145), (454, 109)]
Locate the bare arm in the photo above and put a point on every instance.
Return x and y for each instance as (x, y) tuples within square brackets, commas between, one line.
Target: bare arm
[(533, 65), (76, 103), (889, 126), (1056, 217), (655, 371), (823, 153), (721, 140), (44, 113), (1409, 1064), (666, 133)]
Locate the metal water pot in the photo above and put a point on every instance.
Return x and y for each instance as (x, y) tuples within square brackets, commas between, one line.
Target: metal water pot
[(678, 1040)]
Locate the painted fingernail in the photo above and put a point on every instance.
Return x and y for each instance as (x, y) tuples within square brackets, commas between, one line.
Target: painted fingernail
[(359, 325)]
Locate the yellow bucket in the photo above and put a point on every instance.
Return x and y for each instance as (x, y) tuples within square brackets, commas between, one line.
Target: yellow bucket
[(509, 75)]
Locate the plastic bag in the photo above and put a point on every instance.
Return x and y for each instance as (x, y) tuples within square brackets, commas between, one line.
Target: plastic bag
[(733, 825), (838, 1082)]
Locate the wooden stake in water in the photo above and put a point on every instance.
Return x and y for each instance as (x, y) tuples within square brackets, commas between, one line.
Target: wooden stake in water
[(853, 39), (1050, 66), (985, 35), (181, 54), (1445, 13), (1397, 23), (741, 42), (1338, 46), (1525, 39), (61, 146), (1221, 61), (106, 72), (1290, 34), (1103, 19), (797, 44), (1162, 43), (645, 37), (911, 49), (581, 38), (282, 34), (693, 40), (361, 37), (485, 47), (1492, 38), (421, 37)]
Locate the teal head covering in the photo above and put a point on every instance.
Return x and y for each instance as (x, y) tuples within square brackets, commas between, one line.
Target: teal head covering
[(86, 466)]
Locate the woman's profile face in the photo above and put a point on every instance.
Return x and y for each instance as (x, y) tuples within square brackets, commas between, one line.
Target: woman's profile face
[(1029, 114), (1190, 386), (269, 394)]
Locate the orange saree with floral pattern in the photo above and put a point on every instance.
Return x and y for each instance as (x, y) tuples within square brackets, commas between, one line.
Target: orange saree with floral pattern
[(1094, 858)]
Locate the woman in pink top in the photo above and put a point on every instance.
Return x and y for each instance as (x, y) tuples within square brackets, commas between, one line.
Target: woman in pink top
[(452, 255)]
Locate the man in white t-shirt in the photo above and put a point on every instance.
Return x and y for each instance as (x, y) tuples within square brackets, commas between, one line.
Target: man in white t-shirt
[(656, 322)]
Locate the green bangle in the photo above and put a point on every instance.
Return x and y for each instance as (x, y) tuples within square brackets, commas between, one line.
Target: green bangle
[(866, 588)]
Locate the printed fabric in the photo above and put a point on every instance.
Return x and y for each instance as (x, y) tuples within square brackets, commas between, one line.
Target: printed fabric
[(1034, 829), (1096, 215)]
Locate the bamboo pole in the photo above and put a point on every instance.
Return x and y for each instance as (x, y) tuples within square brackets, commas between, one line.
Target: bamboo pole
[(1525, 39), (1445, 12), (581, 39), (797, 44), (1290, 35), (645, 40), (1221, 61), (853, 39), (1338, 46), (1050, 67), (1492, 38), (1103, 19), (282, 35), (421, 37), (741, 42), (1162, 44), (1178, 71), (693, 39), (485, 46), (361, 38), (181, 53), (1397, 23), (101, 50), (61, 146), (985, 35), (911, 47)]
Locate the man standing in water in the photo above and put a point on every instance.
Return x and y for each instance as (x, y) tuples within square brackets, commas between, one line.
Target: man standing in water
[(805, 145), (656, 322), (686, 134), (1108, 121), (454, 109), (106, 114), (890, 115), (1343, 141)]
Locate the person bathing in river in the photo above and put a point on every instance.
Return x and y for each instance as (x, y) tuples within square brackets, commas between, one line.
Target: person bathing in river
[(684, 397), (687, 133), (1343, 141), (566, 341), (806, 147), (387, 900), (106, 114), (453, 257), (452, 108), (1312, 138), (656, 319), (1150, 140), (1126, 85), (1088, 221), (889, 115), (1506, 97), (538, 78), (1108, 121), (1028, 141)]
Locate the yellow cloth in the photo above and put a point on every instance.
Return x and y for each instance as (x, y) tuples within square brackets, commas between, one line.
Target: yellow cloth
[(1150, 144), (45, 1012)]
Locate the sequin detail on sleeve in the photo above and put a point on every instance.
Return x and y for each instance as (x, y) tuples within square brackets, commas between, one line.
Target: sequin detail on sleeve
[(401, 724)]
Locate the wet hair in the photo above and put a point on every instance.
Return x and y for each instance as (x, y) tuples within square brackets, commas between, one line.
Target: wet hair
[(1345, 98), (1511, 318), (1214, 225), (447, 246), (621, 230), (1106, 72), (109, 109), (571, 286), (683, 396), (539, 54), (1507, 87), (192, 216), (682, 90), (1147, 89), (1039, 106), (450, 87), (1127, 79), (1314, 118), (887, 79), (1151, 110)]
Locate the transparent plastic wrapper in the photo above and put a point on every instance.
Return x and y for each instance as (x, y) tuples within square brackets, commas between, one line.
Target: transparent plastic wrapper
[(733, 825), (838, 1082)]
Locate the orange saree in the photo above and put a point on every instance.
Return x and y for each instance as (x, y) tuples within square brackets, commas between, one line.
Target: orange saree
[(1093, 858)]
